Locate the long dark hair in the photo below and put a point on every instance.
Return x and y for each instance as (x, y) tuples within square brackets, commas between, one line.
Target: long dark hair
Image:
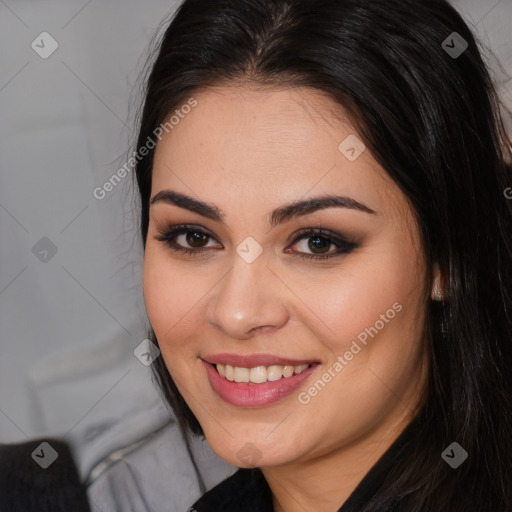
[(432, 119)]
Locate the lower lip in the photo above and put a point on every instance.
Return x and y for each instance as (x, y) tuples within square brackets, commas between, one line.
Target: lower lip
[(248, 394)]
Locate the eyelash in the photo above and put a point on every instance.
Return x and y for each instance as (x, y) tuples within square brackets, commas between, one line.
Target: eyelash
[(344, 246)]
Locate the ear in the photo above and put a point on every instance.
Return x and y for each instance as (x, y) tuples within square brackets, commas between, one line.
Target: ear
[(437, 292)]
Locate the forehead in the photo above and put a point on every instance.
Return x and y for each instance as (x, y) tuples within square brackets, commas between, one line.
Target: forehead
[(256, 145), (263, 122)]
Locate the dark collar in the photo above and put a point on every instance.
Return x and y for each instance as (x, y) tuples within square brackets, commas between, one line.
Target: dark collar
[(247, 490)]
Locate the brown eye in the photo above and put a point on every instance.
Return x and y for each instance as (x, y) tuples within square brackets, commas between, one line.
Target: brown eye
[(319, 242), (196, 237)]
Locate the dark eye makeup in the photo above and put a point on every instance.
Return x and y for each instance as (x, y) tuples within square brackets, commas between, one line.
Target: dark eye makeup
[(320, 238)]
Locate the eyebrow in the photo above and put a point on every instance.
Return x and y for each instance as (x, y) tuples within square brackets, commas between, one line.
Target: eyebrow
[(276, 217)]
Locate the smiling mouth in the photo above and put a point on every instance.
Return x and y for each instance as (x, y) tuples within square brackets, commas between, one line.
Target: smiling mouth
[(259, 374)]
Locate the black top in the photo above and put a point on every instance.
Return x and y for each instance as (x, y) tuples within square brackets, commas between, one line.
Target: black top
[(247, 490), (40, 475)]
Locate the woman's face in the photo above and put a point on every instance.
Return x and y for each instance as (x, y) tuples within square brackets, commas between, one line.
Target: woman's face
[(248, 298)]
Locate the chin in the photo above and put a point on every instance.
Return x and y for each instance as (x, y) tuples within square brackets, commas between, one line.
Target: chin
[(251, 451)]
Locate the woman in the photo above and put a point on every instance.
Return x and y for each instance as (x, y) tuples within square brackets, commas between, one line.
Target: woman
[(328, 262)]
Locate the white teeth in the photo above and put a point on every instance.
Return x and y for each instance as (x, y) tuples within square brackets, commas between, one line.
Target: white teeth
[(287, 371), (241, 374), (259, 374), (274, 373), (300, 368)]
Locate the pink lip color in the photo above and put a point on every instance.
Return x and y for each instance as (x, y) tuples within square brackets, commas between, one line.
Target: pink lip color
[(255, 395), (254, 360)]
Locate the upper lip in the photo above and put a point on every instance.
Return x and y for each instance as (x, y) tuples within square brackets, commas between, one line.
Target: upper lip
[(254, 360)]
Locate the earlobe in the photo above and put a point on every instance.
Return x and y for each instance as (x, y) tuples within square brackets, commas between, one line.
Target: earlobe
[(437, 288)]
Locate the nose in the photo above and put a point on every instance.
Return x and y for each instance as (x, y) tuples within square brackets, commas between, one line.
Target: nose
[(249, 300)]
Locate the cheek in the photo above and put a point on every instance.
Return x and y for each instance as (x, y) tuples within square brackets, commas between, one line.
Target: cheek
[(380, 356), (374, 317), (381, 321), (351, 298), (172, 297)]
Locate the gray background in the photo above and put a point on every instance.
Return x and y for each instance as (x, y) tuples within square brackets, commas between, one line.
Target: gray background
[(69, 325)]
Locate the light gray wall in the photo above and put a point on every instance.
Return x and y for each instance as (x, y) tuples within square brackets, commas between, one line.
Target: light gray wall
[(69, 325)]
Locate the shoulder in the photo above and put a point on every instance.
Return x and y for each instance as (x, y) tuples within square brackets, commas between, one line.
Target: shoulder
[(155, 473)]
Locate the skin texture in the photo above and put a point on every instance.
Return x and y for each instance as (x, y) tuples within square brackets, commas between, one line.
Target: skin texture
[(249, 150)]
